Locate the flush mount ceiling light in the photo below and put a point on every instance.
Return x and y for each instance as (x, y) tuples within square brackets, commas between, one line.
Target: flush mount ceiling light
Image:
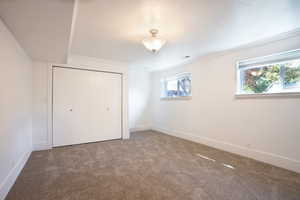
[(154, 43)]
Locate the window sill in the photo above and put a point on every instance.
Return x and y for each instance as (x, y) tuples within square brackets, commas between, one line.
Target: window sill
[(269, 95), (175, 98)]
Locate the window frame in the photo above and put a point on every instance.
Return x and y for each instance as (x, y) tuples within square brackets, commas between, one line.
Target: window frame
[(175, 77), (263, 61)]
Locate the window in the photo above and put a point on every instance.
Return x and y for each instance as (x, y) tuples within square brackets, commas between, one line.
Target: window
[(177, 86), (274, 74)]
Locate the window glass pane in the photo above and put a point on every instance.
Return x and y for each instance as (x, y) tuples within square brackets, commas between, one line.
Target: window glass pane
[(172, 85), (292, 75), (184, 86), (278, 73), (178, 86), (172, 88), (261, 79)]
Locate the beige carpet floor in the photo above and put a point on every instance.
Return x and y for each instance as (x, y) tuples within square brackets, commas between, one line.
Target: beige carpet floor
[(153, 166)]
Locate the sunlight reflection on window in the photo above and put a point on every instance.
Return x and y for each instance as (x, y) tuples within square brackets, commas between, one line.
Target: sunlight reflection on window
[(207, 158), (210, 159), (228, 166)]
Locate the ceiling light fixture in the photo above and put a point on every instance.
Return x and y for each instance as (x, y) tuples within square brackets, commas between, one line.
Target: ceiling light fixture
[(154, 43)]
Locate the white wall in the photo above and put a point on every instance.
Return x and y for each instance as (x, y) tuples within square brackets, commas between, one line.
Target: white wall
[(139, 99), (265, 129), (40, 106), (15, 109)]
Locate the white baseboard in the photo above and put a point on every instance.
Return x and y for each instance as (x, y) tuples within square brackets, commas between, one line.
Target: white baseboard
[(273, 159), (40, 147), (140, 128), (10, 179)]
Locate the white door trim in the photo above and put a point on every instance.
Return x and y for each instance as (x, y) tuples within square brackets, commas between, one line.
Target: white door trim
[(124, 117)]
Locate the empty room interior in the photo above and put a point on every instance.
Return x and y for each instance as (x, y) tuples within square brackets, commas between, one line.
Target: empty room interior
[(150, 100)]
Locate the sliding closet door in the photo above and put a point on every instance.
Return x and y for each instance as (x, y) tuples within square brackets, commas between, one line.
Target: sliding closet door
[(86, 106)]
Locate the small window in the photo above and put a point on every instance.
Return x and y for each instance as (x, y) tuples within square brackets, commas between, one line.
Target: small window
[(274, 74), (177, 86)]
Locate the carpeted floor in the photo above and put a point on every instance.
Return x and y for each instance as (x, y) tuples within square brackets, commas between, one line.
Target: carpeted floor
[(152, 166)]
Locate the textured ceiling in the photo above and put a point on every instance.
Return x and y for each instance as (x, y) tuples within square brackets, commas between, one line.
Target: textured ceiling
[(113, 29)]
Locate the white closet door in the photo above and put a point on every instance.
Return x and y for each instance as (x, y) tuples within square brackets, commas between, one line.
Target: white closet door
[(86, 106)]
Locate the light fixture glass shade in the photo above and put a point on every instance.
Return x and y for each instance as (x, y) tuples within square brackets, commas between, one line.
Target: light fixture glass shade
[(154, 43)]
